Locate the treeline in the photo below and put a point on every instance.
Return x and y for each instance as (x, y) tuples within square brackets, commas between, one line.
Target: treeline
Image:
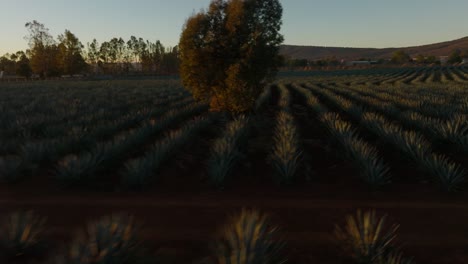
[(66, 55), (399, 57)]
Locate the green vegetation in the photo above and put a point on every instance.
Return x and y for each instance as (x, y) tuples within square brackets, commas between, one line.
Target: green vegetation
[(366, 239), (139, 172), (246, 238), (400, 57), (249, 238), (400, 131), (286, 154), (373, 171), (112, 239), (226, 150), (21, 234)]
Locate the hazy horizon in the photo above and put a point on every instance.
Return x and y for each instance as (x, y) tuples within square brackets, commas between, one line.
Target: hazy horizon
[(334, 23)]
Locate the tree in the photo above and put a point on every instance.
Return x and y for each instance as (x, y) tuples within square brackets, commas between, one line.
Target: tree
[(23, 67), (455, 57), (420, 58), (431, 59), (93, 55), (400, 57), (229, 52), (464, 54), (70, 59), (170, 61), (43, 51), (8, 63)]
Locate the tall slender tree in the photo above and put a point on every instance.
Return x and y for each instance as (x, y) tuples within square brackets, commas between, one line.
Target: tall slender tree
[(43, 49), (71, 60)]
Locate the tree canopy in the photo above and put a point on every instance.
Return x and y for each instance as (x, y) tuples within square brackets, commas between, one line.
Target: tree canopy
[(400, 57), (43, 49), (229, 52), (455, 57)]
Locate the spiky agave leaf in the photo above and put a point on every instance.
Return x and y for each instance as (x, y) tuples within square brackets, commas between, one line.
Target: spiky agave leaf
[(394, 257), (112, 239), (285, 97), (21, 233), (311, 100), (249, 238), (221, 161), (373, 170), (286, 154), (139, 172), (364, 237), (341, 130), (78, 170), (380, 126), (263, 99), (449, 175), (225, 150), (455, 130), (413, 144)]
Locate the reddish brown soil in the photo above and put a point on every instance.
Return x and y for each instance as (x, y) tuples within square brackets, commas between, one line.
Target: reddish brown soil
[(432, 226)]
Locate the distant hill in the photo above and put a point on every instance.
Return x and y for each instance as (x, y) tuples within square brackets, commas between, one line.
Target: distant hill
[(317, 52)]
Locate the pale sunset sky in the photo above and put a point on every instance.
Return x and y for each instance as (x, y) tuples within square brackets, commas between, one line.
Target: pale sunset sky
[(342, 23)]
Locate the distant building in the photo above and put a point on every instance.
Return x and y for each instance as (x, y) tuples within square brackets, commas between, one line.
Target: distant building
[(464, 61), (1, 74)]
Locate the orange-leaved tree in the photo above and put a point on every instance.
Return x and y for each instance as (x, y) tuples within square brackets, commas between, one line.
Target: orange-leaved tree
[(229, 52)]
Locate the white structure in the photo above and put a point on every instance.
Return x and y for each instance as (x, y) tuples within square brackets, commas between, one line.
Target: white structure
[(1, 74), (464, 61)]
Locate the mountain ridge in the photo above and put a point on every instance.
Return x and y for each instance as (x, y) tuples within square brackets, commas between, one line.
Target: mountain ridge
[(347, 53)]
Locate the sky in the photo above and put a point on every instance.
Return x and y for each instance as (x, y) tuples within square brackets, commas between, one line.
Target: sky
[(341, 23)]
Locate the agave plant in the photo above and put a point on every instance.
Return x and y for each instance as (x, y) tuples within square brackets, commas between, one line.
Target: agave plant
[(286, 154), (111, 240), (249, 238), (365, 237), (263, 99), (21, 234), (225, 151), (285, 97), (449, 175), (413, 144), (311, 100), (138, 172), (222, 158), (373, 170), (394, 257), (455, 130), (340, 129), (78, 170)]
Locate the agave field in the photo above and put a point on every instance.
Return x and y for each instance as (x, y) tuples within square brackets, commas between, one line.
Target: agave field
[(318, 146)]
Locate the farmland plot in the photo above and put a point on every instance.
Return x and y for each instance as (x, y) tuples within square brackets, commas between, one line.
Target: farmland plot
[(316, 148)]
